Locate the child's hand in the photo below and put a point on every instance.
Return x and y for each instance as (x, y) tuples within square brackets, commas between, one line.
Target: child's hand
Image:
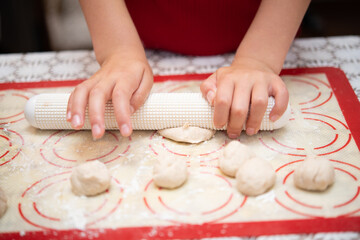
[(246, 82), (126, 81)]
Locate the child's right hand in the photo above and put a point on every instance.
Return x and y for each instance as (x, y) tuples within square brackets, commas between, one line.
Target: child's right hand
[(125, 80)]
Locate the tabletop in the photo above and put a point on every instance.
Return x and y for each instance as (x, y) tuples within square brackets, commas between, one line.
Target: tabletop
[(342, 52)]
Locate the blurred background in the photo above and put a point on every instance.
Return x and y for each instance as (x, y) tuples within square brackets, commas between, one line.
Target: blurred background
[(53, 25)]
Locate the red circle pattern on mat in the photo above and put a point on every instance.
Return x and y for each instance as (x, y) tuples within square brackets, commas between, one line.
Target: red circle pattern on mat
[(52, 152), (310, 204), (334, 144), (320, 98), (12, 146), (15, 115), (49, 215), (157, 202)]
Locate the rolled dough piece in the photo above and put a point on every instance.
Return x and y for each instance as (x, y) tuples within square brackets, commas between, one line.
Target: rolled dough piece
[(170, 172), (255, 176), (314, 174), (90, 178), (233, 155), (187, 134), (3, 203)]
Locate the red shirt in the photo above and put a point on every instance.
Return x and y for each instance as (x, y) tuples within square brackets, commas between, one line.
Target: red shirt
[(192, 27)]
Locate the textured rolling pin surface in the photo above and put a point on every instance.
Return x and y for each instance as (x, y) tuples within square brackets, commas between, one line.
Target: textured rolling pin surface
[(161, 110)]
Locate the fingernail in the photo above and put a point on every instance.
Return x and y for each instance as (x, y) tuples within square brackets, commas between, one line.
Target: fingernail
[(96, 131), (210, 97), (75, 121), (232, 135), (125, 130), (250, 131), (274, 117), (68, 116)]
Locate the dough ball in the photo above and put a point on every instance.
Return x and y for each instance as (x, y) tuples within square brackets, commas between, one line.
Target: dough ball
[(3, 203), (90, 178), (315, 174), (170, 172), (187, 134), (233, 155), (255, 176)]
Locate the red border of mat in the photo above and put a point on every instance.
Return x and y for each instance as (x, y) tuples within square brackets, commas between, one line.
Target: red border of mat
[(350, 107)]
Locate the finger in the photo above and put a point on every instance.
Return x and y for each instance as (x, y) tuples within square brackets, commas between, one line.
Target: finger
[(121, 102), (281, 96), (141, 94), (239, 110), (222, 103), (68, 109), (98, 97), (208, 88), (259, 102), (79, 101)]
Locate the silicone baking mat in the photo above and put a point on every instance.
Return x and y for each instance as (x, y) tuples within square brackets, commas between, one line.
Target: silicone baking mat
[(35, 166)]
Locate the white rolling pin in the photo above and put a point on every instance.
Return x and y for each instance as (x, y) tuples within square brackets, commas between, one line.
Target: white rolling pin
[(161, 110)]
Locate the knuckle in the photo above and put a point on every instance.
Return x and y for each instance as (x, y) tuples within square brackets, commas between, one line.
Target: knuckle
[(205, 85), (118, 93), (239, 112), (114, 75), (95, 118), (223, 101), (81, 88), (136, 101), (226, 77), (281, 86), (219, 72), (223, 74), (261, 74), (138, 66), (97, 91), (259, 101), (283, 91), (119, 116)]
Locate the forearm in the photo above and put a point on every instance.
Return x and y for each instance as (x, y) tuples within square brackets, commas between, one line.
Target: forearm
[(272, 32), (111, 28)]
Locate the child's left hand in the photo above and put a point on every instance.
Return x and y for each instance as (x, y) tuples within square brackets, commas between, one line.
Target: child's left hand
[(247, 82)]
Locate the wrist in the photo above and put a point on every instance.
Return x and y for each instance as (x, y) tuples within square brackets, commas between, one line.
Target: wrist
[(132, 52), (253, 63)]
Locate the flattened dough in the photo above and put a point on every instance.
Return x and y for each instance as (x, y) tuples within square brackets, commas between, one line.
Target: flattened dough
[(3, 203), (314, 174), (233, 155), (170, 171), (90, 178), (187, 134), (255, 176)]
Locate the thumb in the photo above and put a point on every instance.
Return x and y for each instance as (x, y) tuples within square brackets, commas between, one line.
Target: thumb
[(208, 88)]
